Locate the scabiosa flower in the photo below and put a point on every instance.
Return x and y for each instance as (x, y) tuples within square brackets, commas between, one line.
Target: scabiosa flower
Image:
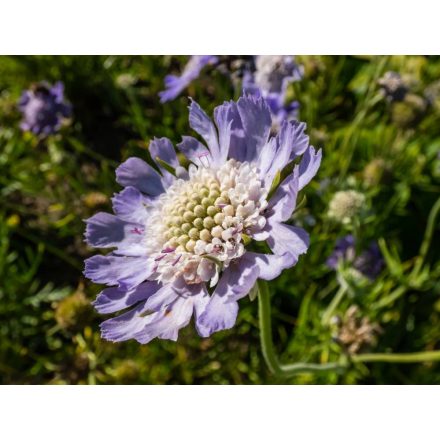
[(263, 75), (273, 73), (184, 242), (369, 262), (272, 76), (346, 205), (43, 108), (174, 84)]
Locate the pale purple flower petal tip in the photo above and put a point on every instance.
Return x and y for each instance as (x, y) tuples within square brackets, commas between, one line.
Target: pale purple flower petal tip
[(179, 241), (43, 108), (174, 85), (267, 76)]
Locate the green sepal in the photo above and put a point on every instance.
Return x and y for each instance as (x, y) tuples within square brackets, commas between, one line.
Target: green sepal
[(253, 293), (246, 239), (165, 165), (275, 182)]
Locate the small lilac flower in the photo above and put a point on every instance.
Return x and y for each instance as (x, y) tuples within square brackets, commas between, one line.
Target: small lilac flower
[(272, 76), (275, 72), (174, 84), (369, 263), (182, 238), (264, 75), (43, 108)]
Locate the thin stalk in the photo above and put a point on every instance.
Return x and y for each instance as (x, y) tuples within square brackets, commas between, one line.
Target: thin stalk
[(427, 238), (333, 305), (389, 299), (268, 349), (424, 356)]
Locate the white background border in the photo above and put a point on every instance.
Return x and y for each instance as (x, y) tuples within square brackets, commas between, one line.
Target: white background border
[(215, 412), (219, 27)]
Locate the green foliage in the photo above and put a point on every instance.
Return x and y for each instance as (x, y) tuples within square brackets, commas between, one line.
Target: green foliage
[(389, 152)]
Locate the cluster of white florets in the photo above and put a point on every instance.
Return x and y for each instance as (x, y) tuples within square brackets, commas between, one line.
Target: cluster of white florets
[(346, 205), (196, 228)]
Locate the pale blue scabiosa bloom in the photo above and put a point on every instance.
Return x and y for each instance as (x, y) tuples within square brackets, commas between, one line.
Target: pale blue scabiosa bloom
[(272, 76), (184, 242), (263, 75), (273, 73), (43, 108), (174, 85), (369, 262)]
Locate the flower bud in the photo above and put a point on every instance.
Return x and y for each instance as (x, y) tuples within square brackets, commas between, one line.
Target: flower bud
[(345, 205)]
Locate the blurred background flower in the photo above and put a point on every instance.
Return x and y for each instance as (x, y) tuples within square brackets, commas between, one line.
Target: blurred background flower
[(43, 108), (368, 262)]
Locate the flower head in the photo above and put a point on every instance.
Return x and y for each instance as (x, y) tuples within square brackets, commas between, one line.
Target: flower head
[(183, 237), (43, 108), (369, 262), (356, 332), (275, 72), (263, 75), (345, 205), (272, 75), (174, 84)]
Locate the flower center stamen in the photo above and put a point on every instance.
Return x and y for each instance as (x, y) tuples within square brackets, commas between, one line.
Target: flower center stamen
[(198, 224)]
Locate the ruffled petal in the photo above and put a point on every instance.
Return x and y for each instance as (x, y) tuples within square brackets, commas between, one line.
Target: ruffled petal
[(195, 151), (105, 230), (220, 314), (165, 296), (144, 323), (221, 310), (257, 122), (201, 300), (286, 146), (202, 124), (298, 138), (129, 205), (135, 172), (309, 166), (238, 279), (126, 272), (288, 239), (223, 116), (269, 266), (163, 149), (283, 202), (175, 84), (237, 142), (166, 323), (114, 299), (124, 326)]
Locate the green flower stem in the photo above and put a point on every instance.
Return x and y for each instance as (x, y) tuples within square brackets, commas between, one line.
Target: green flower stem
[(424, 356), (427, 238), (334, 304), (267, 343), (389, 299)]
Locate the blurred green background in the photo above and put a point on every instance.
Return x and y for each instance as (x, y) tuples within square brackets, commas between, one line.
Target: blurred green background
[(389, 151)]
